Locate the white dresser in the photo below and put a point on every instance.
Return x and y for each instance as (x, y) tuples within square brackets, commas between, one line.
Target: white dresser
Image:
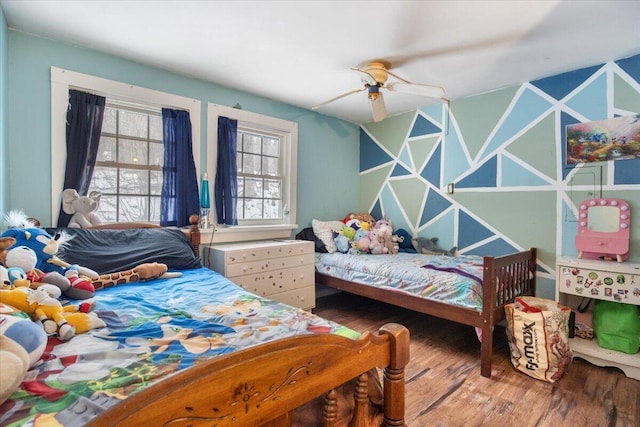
[(606, 280), (282, 270)]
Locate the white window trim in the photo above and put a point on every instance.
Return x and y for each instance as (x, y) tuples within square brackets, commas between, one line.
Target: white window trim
[(253, 232), (63, 80)]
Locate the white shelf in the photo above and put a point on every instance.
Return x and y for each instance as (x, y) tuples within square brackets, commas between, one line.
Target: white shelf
[(604, 280), (590, 351)]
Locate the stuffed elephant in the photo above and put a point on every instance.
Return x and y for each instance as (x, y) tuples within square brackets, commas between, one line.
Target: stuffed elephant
[(81, 207)]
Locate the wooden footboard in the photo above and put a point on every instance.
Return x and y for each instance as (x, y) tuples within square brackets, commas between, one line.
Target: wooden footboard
[(262, 385), (504, 278)]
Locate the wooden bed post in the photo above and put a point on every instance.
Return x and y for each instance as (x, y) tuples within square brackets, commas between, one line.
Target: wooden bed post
[(194, 233), (394, 374), (488, 295)]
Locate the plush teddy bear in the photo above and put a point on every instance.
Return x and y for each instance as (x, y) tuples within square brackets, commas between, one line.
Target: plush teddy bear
[(81, 207), (430, 246)]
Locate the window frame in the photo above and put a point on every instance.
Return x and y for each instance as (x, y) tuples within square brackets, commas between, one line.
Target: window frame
[(118, 166), (268, 229), (63, 80)]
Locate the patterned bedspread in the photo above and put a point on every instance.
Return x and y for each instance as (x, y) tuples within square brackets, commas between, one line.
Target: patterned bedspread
[(451, 280), (154, 329)]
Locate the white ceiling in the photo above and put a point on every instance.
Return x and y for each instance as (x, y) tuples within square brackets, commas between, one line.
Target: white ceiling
[(301, 52)]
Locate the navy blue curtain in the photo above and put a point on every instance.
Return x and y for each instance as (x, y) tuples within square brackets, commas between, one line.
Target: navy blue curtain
[(180, 183), (226, 185), (84, 125)]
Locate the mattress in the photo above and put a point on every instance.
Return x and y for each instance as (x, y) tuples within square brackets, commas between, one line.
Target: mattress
[(451, 280)]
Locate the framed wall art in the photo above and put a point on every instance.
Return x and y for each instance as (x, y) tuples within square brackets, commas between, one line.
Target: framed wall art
[(611, 139)]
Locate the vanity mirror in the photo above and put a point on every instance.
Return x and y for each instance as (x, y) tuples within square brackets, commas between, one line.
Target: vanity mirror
[(603, 229)]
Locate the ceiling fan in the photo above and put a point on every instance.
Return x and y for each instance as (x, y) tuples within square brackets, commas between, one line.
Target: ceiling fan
[(374, 76)]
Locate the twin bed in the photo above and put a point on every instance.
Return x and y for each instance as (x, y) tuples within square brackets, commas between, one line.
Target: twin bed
[(199, 350), (467, 289)]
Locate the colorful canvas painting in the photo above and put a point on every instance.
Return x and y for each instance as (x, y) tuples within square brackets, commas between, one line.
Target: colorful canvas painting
[(611, 139)]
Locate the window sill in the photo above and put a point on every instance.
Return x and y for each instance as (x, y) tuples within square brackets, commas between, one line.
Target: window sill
[(242, 233)]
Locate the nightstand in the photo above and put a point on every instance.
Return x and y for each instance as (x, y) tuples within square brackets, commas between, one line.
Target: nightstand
[(605, 280), (282, 270)]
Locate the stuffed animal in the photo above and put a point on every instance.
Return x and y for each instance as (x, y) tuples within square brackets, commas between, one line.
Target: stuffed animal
[(44, 308), (81, 207), (15, 364), (376, 247), (146, 271), (22, 343), (5, 244), (361, 242), (29, 335), (362, 217), (16, 218), (52, 269), (430, 246), (25, 259), (385, 235)]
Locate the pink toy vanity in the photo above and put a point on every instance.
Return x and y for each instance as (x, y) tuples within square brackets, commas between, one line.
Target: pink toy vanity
[(603, 229)]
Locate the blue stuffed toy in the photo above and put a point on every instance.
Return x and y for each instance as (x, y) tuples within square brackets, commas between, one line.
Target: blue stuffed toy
[(55, 270)]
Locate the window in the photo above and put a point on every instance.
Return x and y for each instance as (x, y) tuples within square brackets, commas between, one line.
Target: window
[(267, 161), (128, 170), (260, 176)]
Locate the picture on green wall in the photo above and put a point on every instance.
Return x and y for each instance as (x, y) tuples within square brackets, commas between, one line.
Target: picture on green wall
[(611, 139)]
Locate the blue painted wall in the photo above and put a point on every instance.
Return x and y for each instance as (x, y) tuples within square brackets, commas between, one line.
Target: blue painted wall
[(29, 119), (3, 111), (505, 152)]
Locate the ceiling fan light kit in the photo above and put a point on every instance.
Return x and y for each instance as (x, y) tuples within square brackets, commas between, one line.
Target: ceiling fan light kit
[(374, 76)]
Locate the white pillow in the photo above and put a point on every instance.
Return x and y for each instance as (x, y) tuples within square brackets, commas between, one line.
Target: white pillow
[(324, 231)]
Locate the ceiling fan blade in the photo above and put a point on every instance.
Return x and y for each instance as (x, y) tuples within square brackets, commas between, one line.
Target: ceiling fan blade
[(337, 97), (378, 108), (416, 89)]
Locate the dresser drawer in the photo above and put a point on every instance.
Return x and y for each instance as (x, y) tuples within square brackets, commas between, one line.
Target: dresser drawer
[(304, 298), (267, 283), (268, 264), (267, 251)]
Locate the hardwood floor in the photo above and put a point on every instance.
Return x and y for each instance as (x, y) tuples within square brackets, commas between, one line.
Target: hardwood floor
[(444, 386)]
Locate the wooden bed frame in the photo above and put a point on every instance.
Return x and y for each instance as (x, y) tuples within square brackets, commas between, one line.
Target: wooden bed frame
[(263, 385), (504, 278)]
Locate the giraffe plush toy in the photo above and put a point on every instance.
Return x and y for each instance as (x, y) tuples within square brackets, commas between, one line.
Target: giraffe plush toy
[(146, 271)]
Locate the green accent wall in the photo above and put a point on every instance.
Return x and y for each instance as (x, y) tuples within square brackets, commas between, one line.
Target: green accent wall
[(505, 152)]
